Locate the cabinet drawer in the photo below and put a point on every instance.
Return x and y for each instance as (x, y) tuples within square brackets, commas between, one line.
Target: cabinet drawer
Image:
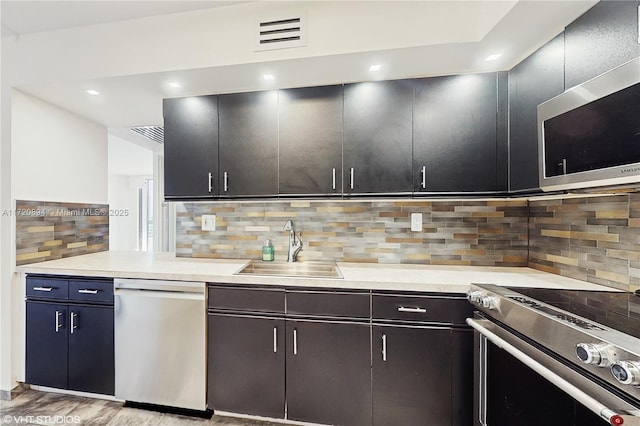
[(421, 308), (329, 304), (246, 299), (91, 290), (48, 288)]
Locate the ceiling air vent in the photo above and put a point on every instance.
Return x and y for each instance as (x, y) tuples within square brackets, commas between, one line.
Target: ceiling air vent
[(282, 33), (155, 133)]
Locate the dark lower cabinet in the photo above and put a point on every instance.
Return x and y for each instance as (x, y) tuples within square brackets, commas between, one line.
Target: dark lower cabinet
[(46, 344), (246, 365), (91, 350), (411, 376), (328, 372), (461, 376), (69, 344)]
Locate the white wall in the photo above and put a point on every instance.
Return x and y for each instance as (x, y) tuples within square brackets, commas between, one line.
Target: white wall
[(56, 155)]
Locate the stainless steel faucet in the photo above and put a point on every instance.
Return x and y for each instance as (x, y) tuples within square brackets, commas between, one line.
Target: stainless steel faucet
[(294, 246)]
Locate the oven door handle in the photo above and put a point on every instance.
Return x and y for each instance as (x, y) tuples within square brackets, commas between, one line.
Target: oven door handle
[(585, 399)]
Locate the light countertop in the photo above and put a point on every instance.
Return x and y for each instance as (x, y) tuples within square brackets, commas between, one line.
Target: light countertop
[(166, 266)]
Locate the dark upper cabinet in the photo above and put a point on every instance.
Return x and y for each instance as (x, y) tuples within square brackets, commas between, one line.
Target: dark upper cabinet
[(246, 365), (537, 79), (454, 133), (601, 39), (248, 144), (190, 147), (310, 153), (378, 137)]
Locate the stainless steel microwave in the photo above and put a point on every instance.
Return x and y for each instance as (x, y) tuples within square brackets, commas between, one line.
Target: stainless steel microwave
[(589, 136)]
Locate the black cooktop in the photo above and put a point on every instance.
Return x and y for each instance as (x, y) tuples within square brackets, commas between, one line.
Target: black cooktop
[(616, 310)]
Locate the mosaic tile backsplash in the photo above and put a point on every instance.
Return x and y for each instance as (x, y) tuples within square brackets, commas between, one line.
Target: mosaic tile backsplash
[(486, 233), (595, 239), (51, 230)]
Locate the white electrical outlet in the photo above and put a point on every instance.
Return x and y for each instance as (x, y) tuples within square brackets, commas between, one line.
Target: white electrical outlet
[(208, 222), (416, 222)]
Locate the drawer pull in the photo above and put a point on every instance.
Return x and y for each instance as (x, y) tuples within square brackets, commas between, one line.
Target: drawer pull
[(87, 291), (413, 310), (42, 288)]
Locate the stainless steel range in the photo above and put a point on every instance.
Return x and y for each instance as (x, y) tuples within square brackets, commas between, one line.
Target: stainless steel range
[(556, 356)]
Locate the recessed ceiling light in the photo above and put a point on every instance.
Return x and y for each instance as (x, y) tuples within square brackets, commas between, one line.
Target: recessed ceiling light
[(493, 57), (268, 76), (375, 67), (174, 84), (93, 92)]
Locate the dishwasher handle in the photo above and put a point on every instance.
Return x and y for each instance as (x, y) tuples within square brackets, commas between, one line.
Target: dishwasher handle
[(158, 294), (159, 286)]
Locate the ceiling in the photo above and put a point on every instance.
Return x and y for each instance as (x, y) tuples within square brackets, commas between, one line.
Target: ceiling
[(515, 29)]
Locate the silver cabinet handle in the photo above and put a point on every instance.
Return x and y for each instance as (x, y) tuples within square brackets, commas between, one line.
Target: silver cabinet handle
[(351, 179), (87, 291), (73, 321), (210, 184), (275, 340), (384, 347), (564, 166), (333, 185), (58, 324), (295, 341), (424, 177), (414, 310), (42, 288), (226, 181)]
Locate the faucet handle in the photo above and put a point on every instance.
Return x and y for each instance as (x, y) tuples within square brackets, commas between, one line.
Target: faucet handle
[(288, 226)]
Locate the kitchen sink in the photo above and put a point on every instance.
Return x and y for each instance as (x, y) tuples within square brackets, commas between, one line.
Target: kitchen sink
[(294, 269)]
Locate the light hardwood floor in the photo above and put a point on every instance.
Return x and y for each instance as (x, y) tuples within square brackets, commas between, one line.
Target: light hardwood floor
[(71, 410)]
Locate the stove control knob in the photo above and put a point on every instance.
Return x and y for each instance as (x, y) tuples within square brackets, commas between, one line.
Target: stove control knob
[(474, 296), (488, 302), (591, 353), (626, 372)]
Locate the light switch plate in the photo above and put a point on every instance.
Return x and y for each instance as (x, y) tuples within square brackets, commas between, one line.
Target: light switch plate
[(208, 222), (416, 222)]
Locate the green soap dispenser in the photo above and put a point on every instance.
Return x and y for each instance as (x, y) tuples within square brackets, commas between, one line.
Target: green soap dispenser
[(267, 251)]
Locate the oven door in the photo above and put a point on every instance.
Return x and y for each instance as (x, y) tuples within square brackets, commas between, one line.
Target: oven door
[(518, 384)]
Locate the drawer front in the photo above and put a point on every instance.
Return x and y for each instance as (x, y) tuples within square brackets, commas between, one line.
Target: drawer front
[(329, 304), (91, 290), (246, 299), (47, 288), (420, 308)]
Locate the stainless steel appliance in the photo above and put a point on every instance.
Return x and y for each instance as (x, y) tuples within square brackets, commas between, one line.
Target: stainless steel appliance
[(160, 355), (551, 357), (589, 136)]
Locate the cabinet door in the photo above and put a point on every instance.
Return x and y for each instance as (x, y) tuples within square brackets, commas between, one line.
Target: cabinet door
[(310, 152), (190, 147), (249, 144), (329, 373), (454, 133), (46, 344), (603, 38), (377, 137), (537, 79), (462, 375), (246, 365), (91, 350), (411, 376)]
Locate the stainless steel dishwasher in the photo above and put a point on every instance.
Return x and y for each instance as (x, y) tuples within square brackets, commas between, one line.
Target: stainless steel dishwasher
[(160, 355)]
